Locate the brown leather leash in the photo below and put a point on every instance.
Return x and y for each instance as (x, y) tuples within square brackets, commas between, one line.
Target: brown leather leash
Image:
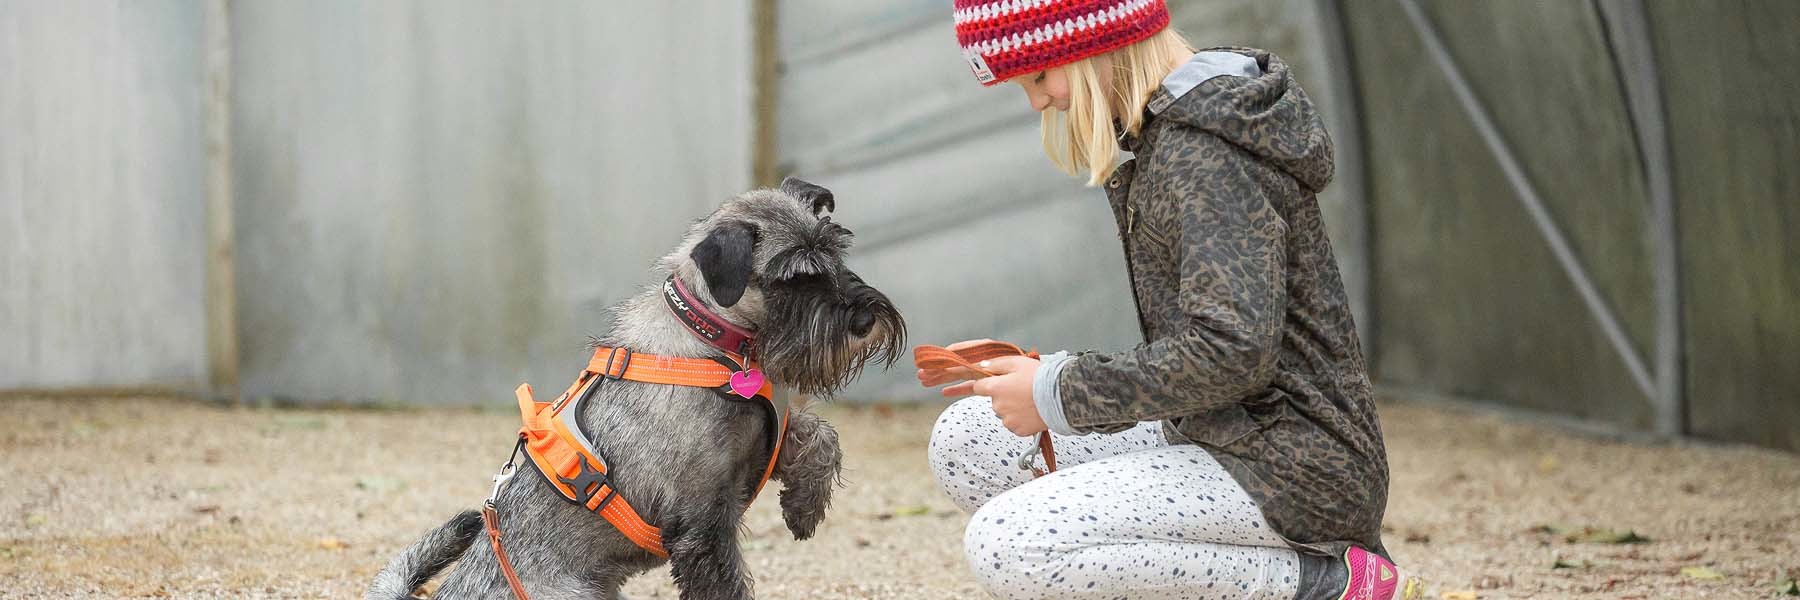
[(491, 519), (939, 357)]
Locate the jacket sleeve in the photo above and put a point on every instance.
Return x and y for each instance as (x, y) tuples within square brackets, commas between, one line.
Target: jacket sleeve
[(1227, 241)]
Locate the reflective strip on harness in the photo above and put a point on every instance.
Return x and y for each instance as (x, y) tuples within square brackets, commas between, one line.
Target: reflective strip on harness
[(571, 464)]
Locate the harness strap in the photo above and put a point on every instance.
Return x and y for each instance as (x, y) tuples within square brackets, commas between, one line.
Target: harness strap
[(938, 357), (620, 363), (572, 468)]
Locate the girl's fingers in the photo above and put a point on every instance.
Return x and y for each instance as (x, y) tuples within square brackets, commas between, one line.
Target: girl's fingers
[(965, 388), (936, 377)]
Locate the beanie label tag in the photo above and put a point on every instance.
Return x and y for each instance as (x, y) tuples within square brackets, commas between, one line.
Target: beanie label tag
[(979, 66)]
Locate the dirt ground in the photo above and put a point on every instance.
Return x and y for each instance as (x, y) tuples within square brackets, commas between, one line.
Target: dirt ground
[(168, 498)]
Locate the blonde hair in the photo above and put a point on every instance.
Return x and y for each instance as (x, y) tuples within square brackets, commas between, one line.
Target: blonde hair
[(1086, 137)]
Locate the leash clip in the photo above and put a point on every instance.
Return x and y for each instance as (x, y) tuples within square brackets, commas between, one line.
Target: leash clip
[(1025, 459), (506, 471)]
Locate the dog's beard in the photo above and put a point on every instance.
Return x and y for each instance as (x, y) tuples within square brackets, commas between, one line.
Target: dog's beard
[(806, 341)]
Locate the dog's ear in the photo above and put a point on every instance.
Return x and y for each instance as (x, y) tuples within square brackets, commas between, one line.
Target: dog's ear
[(811, 196), (724, 259)]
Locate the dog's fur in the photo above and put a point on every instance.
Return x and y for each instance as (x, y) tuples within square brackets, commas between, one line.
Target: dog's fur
[(770, 261)]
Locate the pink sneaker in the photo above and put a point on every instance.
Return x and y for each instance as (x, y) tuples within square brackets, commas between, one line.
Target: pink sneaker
[(1375, 578)]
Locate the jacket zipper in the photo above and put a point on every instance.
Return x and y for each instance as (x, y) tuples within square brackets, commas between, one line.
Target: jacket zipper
[(1125, 242)]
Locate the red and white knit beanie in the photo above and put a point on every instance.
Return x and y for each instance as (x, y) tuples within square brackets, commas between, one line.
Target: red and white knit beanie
[(1003, 39)]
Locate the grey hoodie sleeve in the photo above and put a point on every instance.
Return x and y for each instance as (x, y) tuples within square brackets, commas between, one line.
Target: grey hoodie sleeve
[(1044, 393)]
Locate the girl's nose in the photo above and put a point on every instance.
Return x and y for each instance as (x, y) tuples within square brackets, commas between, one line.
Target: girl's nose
[(1038, 101)]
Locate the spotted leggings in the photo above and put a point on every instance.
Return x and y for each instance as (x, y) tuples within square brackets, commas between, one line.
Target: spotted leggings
[(1125, 516)]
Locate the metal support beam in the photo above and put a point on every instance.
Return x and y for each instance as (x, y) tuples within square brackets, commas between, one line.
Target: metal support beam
[(765, 46), (221, 276), (1628, 34), (1529, 198)]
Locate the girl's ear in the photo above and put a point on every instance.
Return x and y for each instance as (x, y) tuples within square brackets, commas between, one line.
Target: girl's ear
[(724, 258), (811, 196)]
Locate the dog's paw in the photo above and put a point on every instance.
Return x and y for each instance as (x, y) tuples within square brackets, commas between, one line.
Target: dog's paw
[(809, 470)]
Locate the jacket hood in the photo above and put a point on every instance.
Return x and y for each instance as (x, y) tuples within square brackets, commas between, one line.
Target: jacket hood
[(1249, 98)]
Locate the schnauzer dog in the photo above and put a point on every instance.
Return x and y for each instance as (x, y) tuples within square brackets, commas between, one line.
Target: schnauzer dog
[(770, 261)]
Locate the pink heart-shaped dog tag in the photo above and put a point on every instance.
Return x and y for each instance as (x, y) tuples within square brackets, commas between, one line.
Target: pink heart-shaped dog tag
[(747, 383)]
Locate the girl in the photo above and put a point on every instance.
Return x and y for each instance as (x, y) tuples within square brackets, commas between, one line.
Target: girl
[(1236, 453)]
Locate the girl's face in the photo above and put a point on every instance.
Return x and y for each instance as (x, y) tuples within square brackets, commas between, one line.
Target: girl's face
[(1049, 88), (1045, 89)]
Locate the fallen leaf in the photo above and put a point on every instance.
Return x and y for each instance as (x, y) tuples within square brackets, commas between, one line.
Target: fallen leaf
[(912, 511), (331, 543), (378, 483), (1565, 564), (1547, 463), (207, 509), (1787, 588), (1546, 530), (1460, 595), (1702, 573), (35, 519), (83, 429), (1596, 535), (1418, 537), (862, 543), (884, 411)]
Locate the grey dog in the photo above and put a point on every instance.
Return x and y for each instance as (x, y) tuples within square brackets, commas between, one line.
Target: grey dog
[(771, 261)]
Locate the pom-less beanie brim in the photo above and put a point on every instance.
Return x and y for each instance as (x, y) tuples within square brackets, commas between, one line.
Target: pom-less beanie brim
[(1003, 39)]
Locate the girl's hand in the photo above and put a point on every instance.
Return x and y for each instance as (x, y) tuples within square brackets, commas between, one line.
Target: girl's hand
[(1010, 389)]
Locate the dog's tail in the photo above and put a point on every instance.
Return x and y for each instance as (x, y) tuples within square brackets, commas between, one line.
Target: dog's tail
[(425, 558)]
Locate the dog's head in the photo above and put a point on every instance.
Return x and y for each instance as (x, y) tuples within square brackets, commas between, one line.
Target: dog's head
[(772, 261)]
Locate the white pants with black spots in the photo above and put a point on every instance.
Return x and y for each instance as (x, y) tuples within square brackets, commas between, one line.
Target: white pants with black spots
[(1125, 516)]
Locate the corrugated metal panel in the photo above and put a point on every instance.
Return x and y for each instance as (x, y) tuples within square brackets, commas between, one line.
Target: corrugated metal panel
[(101, 183)]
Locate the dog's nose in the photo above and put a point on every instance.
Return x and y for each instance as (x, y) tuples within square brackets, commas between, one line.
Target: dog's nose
[(862, 322)]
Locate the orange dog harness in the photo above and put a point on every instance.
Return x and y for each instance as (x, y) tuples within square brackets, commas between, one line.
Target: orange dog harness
[(563, 453)]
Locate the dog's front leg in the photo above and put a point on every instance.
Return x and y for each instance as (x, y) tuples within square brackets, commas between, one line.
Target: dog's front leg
[(703, 551), (809, 467)]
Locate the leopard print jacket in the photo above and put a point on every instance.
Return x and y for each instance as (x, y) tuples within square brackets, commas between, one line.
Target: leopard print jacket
[(1250, 350)]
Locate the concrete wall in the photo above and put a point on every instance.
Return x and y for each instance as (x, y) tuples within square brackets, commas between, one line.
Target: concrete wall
[(958, 213), (437, 200), (101, 185)]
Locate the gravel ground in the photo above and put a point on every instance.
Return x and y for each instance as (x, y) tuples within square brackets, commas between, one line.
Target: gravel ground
[(168, 498)]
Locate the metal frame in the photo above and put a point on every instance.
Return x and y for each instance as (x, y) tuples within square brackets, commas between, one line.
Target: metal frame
[(1664, 390), (221, 270), (1628, 34)]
